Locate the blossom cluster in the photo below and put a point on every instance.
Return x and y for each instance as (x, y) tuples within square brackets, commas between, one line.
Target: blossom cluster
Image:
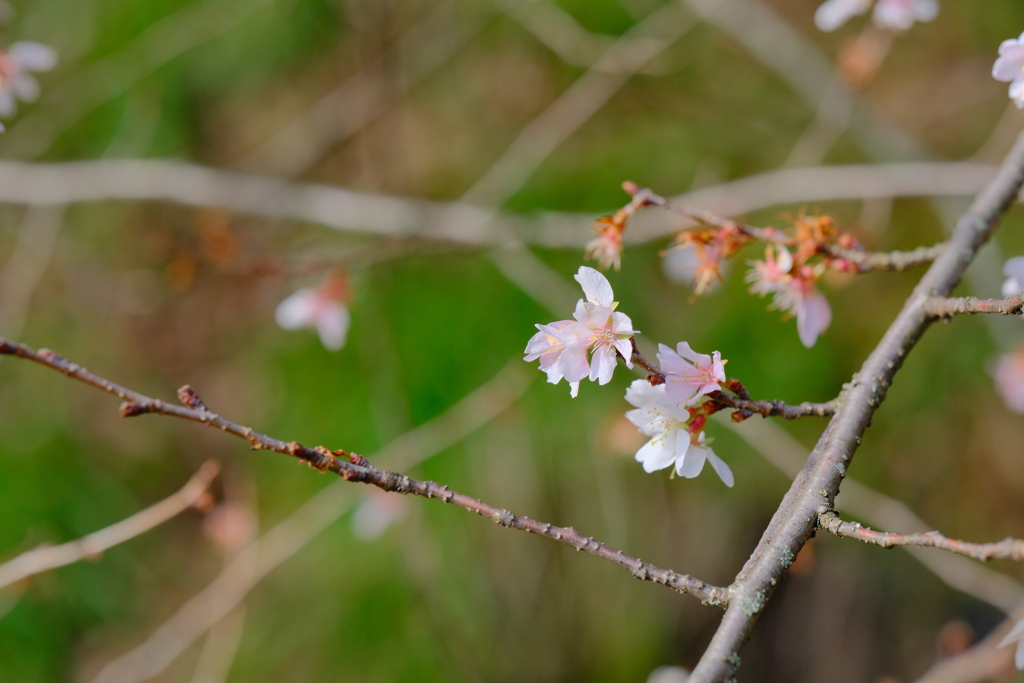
[(668, 406)]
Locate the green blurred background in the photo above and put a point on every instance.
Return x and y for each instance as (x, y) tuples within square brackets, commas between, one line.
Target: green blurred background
[(155, 295)]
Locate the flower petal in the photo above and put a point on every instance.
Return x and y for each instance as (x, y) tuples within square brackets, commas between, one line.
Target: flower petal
[(25, 87), (813, 318), (298, 310), (657, 454), (596, 287), (834, 13), (332, 323), (690, 461), (33, 56), (602, 364), (722, 469)]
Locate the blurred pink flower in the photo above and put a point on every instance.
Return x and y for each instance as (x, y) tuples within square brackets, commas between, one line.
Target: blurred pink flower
[(793, 292), (1009, 68), (378, 511), (597, 331), (690, 375), (15, 81), (1009, 376), (322, 308), (671, 442), (892, 15), (1013, 269)]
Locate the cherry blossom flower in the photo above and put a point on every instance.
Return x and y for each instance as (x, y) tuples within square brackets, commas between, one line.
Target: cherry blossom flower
[(690, 375), (15, 79), (672, 442), (1009, 68), (606, 248), (1013, 269), (710, 249), (547, 346), (598, 331), (794, 292), (378, 511), (1009, 376), (892, 15), (322, 308), (1016, 635)]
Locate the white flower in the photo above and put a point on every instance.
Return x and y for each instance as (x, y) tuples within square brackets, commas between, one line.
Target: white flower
[(1009, 68), (690, 375), (792, 291), (892, 15), (15, 81), (598, 331), (1009, 376), (1016, 635), (671, 441), (321, 308), (1013, 269)]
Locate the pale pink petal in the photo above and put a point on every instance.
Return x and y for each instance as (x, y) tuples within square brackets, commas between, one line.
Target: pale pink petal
[(602, 365), (33, 56), (625, 347), (1015, 634), (574, 389), (893, 15), (719, 367), (622, 325), (642, 394), (298, 310), (684, 350), (1009, 376), (7, 105), (690, 459), (25, 87), (657, 454), (719, 465), (572, 364), (926, 10), (680, 391), (1014, 267), (332, 323), (1018, 657), (596, 287), (813, 317), (582, 311), (834, 13)]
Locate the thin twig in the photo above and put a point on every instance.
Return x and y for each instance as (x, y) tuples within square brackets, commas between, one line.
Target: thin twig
[(93, 545), (942, 307), (740, 400), (1009, 548), (864, 260), (353, 467)]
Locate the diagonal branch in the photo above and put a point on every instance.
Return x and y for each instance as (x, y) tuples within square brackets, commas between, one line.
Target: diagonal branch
[(93, 545), (815, 488), (353, 467), (942, 307), (1009, 548)]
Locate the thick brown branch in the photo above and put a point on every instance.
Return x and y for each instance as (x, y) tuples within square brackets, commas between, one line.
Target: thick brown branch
[(93, 545), (355, 468), (1007, 549), (942, 307)]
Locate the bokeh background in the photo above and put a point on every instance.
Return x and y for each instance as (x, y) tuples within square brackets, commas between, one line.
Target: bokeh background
[(488, 102)]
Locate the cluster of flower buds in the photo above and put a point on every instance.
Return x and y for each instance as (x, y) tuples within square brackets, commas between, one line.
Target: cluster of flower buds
[(668, 407)]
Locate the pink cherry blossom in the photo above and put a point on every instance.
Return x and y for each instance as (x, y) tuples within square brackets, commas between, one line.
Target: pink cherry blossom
[(672, 443), (322, 308), (597, 331), (690, 375), (1009, 68), (15, 79), (792, 291), (1009, 376), (1013, 269)]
